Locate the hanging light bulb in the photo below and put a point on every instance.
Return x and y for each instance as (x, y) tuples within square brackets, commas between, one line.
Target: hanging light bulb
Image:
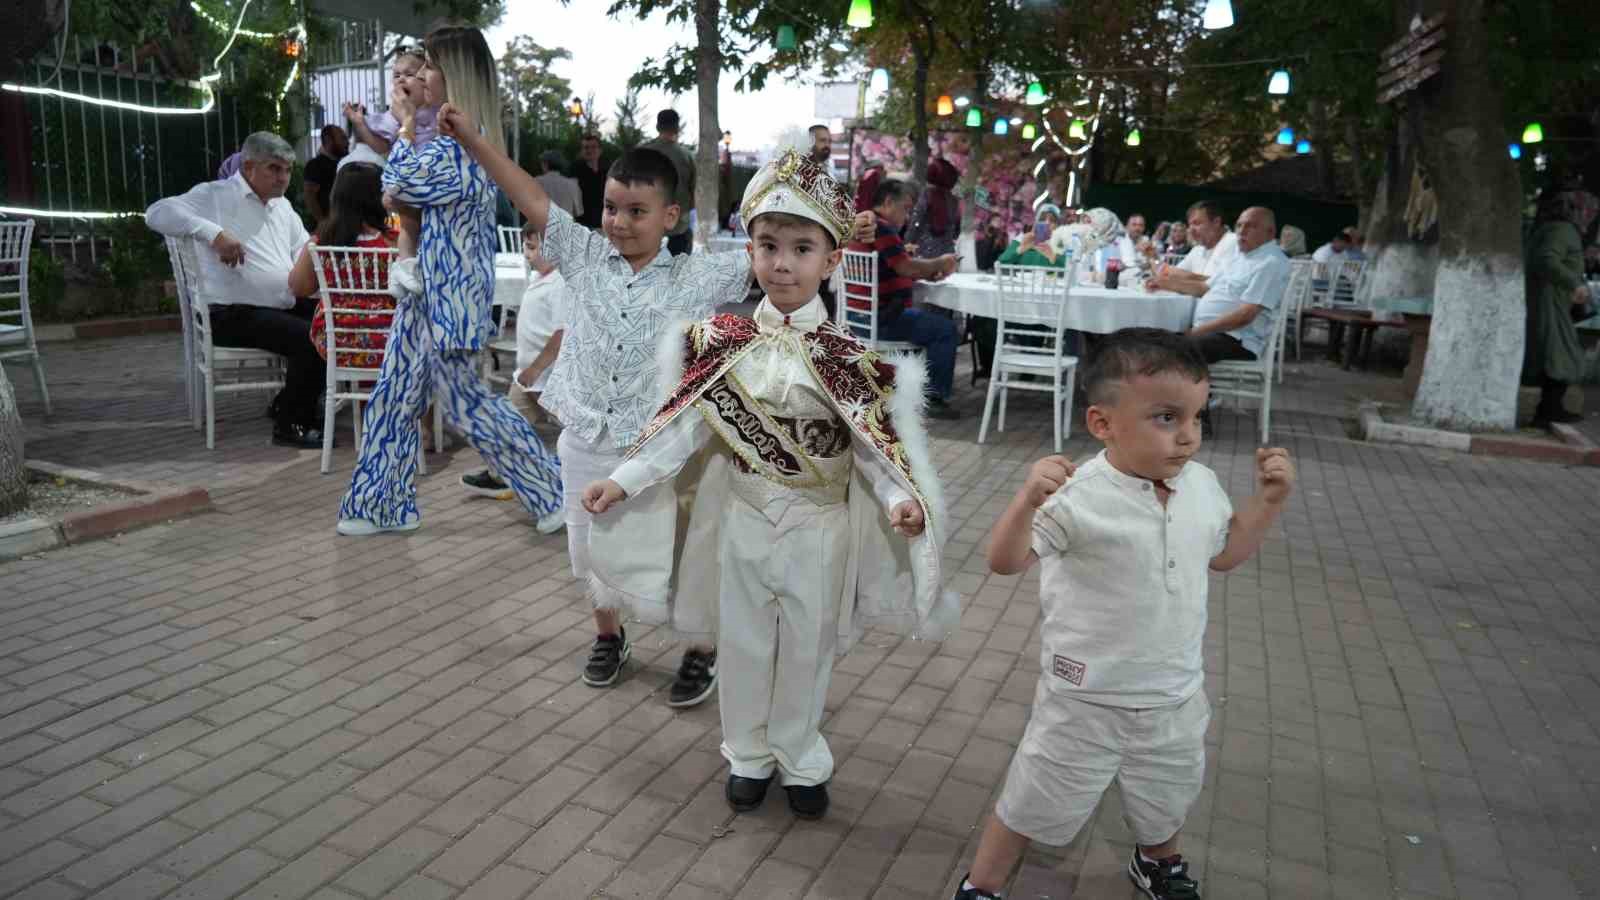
[(962, 101), (861, 14), (1533, 134), (880, 80), (1001, 126), (1302, 147), (1516, 151), (1016, 120), (1279, 83), (974, 118), (1028, 131), (1218, 14), (1078, 130), (1134, 138), (946, 105), (786, 39), (1035, 95), (1286, 136)]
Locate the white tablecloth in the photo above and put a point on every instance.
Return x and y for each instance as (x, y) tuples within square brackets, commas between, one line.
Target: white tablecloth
[(1090, 308), (510, 279)]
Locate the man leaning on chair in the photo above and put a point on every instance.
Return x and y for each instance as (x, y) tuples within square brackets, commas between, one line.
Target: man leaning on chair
[(1228, 320), (251, 236)]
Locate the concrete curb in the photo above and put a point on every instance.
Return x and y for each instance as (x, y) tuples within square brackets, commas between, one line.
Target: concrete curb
[(150, 504), (1570, 448), (107, 328)]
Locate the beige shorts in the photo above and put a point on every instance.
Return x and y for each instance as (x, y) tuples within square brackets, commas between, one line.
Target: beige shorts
[(1073, 750)]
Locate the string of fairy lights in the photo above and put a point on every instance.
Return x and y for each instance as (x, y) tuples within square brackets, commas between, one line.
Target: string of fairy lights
[(292, 42)]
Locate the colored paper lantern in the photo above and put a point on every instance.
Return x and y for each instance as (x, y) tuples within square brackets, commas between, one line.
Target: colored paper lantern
[(1134, 139), (860, 14), (1286, 136), (1035, 95), (1218, 14), (946, 105), (962, 101), (1078, 130), (786, 39), (1028, 131), (880, 80), (1001, 126), (1516, 151), (1303, 147), (974, 118), (1279, 82), (1533, 134)]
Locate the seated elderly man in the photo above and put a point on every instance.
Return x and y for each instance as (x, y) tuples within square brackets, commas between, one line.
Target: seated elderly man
[(1214, 247), (252, 236), (1229, 321)]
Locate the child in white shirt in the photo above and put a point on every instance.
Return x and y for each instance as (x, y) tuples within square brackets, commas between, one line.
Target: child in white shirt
[(1124, 542), (541, 324)]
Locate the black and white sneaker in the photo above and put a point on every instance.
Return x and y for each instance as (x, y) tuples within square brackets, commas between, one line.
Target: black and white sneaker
[(697, 677), (972, 893), (606, 657), (1164, 879), (484, 484)]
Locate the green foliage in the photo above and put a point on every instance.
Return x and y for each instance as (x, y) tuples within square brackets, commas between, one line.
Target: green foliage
[(627, 133), (526, 83), (47, 285)]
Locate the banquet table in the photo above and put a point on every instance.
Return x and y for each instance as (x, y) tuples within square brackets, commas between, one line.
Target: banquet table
[(510, 279), (1090, 308), (723, 243)]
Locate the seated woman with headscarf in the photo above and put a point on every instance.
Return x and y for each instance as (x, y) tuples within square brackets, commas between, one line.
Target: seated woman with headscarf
[(1034, 247), (1556, 298), (1292, 241), (936, 219)]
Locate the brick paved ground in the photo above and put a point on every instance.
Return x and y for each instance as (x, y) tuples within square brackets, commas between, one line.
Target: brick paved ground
[(242, 704)]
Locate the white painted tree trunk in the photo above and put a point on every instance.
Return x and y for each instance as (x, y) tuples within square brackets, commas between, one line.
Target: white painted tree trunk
[(13, 475), (1474, 362), (708, 72)]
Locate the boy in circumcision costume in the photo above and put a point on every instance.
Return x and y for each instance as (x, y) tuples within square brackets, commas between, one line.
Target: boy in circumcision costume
[(783, 498)]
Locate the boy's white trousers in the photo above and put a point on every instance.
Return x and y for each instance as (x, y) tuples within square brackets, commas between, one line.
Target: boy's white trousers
[(781, 584)]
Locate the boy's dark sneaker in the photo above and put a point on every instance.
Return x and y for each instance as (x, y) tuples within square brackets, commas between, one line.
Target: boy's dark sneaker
[(697, 678), (484, 484), (808, 801), (606, 657), (1164, 879), (745, 794), (972, 893)]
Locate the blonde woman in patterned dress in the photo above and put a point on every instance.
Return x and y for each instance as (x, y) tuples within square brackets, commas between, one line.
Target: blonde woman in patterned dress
[(439, 329)]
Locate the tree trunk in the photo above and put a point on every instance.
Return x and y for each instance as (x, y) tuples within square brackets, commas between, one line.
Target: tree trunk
[(1358, 177), (969, 178), (708, 71), (1474, 361), (1402, 266), (13, 475), (922, 53)]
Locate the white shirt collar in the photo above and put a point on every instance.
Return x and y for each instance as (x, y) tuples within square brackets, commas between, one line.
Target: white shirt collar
[(807, 318), (1135, 482), (245, 190)]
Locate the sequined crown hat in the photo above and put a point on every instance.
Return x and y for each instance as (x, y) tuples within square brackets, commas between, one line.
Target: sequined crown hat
[(795, 185)]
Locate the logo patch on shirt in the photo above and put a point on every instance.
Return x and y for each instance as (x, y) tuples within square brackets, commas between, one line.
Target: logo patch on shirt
[(1070, 669)]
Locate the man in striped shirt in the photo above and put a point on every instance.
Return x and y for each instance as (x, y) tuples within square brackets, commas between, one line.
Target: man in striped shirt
[(897, 272)]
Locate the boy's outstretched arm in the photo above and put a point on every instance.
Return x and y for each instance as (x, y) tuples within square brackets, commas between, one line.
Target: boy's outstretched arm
[(1275, 479), (1011, 539), (520, 188)]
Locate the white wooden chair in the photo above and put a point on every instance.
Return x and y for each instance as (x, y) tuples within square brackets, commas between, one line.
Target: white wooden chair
[(857, 307), (1030, 297), (510, 238), (500, 355), (1252, 378), (17, 340), (204, 363), (1294, 299)]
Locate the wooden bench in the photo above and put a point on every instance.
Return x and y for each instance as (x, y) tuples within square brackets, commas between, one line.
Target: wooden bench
[(1357, 326)]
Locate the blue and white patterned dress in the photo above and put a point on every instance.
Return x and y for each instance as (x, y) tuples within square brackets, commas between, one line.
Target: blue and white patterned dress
[(431, 345)]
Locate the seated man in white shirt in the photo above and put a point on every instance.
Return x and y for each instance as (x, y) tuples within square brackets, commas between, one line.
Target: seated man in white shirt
[(1214, 247), (252, 236), (1233, 320), (1330, 256)]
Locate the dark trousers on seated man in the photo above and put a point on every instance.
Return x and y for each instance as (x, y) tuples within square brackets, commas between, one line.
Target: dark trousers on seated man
[(1220, 346), (286, 332), (937, 337)]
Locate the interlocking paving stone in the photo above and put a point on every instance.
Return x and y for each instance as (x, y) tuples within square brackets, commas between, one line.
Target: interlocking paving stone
[(1405, 686)]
